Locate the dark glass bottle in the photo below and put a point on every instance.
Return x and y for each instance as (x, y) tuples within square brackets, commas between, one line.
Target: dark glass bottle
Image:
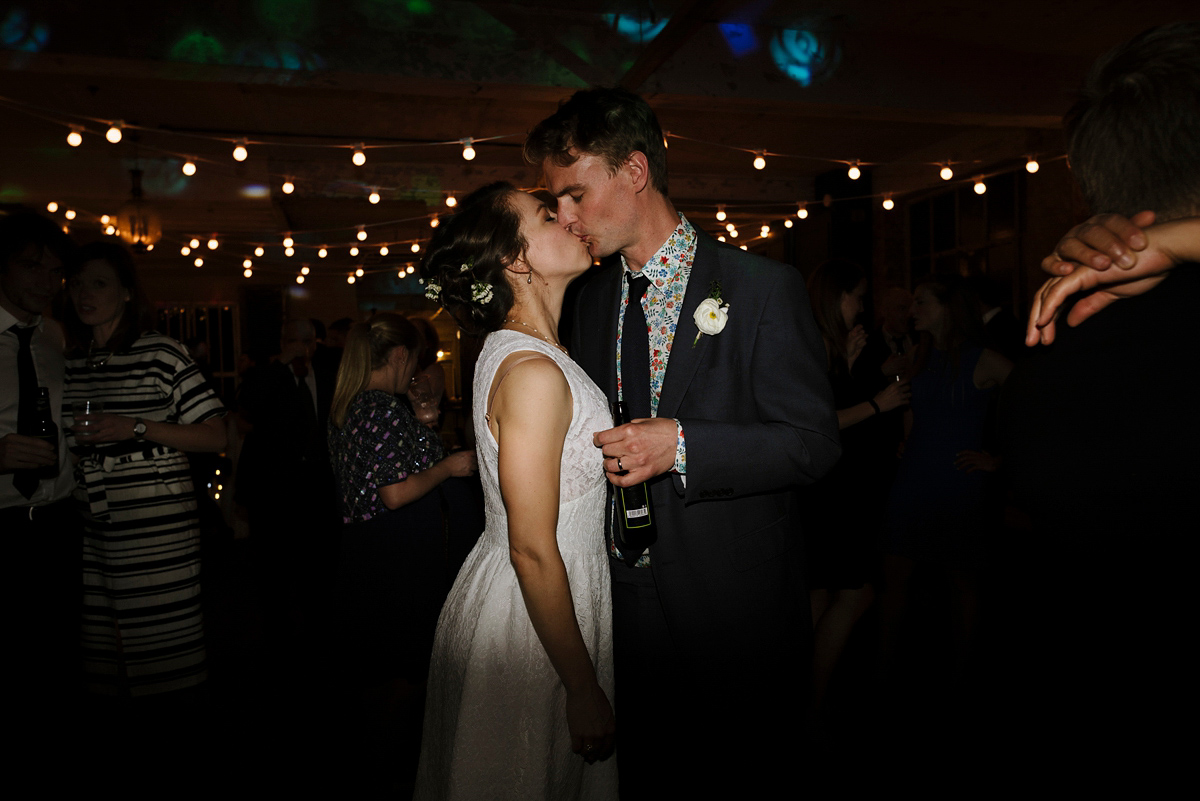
[(636, 528), (46, 429)]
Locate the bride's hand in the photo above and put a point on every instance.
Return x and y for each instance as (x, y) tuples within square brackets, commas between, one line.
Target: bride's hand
[(591, 723)]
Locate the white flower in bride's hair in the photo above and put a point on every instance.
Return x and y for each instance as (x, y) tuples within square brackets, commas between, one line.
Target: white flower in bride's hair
[(467, 265), (432, 291), (481, 293)]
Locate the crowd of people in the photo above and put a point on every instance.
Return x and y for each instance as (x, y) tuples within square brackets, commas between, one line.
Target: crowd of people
[(802, 471)]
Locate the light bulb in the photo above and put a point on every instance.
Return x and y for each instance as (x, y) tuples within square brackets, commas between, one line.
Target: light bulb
[(304, 270), (401, 274), (289, 252), (288, 187), (199, 262), (743, 247), (299, 279), (721, 213), (434, 221), (802, 212), (416, 247), (69, 214), (150, 247), (759, 160), (854, 173), (185, 251), (946, 173), (410, 269), (354, 251), (110, 229), (787, 223), (362, 234), (468, 149), (350, 279), (322, 253), (288, 241), (729, 226), (212, 243), (359, 158), (1031, 166), (383, 251), (888, 203), (721, 238), (359, 272), (765, 231), (980, 186), (246, 273), (373, 198), (75, 137), (258, 251), (240, 152), (195, 243), (247, 263), (51, 207), (451, 200), (189, 167), (733, 232), (113, 134), (105, 219)]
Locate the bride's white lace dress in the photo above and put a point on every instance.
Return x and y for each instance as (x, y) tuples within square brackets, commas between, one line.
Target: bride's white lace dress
[(495, 718)]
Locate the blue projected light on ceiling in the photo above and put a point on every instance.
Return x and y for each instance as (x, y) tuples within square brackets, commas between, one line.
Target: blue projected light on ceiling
[(740, 38), (19, 32), (639, 30), (802, 56)]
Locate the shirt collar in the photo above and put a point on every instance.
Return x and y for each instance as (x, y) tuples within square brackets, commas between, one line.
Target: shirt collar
[(677, 253), (7, 320)]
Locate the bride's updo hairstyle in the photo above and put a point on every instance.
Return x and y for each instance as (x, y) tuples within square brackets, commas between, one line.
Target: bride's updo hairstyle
[(464, 268)]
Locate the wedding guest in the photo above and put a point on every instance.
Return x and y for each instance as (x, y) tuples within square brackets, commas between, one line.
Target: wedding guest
[(429, 382), (142, 629)]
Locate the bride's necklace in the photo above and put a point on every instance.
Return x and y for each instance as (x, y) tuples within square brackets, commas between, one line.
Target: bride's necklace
[(539, 334), (97, 360)]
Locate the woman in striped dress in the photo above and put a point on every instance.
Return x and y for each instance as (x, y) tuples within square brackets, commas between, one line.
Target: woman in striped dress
[(142, 630)]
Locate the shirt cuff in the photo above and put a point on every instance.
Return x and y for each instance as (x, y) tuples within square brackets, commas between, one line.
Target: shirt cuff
[(680, 450)]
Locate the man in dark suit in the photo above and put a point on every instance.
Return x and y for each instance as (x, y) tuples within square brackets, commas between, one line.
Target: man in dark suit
[(285, 480), (723, 369)]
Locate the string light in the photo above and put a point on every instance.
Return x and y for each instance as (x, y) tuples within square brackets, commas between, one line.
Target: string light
[(760, 159), (304, 269), (359, 158), (149, 247), (246, 273), (69, 214), (802, 211), (400, 274), (323, 252), (416, 247), (765, 231), (195, 243), (239, 151), (289, 252), (733, 232), (434, 222), (888, 203), (1031, 166), (980, 186), (729, 226), (721, 212), (410, 269), (468, 152), (854, 173), (258, 251), (110, 229), (105, 219), (373, 198), (350, 279), (451, 200), (185, 251), (946, 172), (212, 242), (75, 137), (787, 223), (189, 168), (288, 241), (721, 238), (354, 251), (247, 263), (299, 279), (383, 251), (199, 262), (51, 207), (359, 272), (743, 247), (288, 186), (113, 134), (362, 234)]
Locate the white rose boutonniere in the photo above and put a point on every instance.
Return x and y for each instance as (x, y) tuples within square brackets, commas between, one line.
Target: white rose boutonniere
[(712, 313)]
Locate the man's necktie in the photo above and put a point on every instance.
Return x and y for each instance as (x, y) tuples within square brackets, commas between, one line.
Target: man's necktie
[(25, 481), (635, 351)]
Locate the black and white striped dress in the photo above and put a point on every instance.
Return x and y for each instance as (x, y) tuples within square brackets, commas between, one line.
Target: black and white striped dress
[(142, 627)]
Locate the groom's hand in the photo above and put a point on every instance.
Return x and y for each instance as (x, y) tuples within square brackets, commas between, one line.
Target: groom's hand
[(638, 451)]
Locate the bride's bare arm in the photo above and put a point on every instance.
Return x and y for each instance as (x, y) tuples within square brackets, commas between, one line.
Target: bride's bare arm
[(530, 415)]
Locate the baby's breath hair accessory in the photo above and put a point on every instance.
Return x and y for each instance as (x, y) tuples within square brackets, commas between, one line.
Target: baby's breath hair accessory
[(432, 290), (467, 267), (481, 292)]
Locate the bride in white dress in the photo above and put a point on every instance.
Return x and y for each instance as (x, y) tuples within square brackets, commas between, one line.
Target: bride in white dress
[(521, 682)]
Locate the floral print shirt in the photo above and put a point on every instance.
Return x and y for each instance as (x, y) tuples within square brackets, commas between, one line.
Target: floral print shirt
[(381, 443)]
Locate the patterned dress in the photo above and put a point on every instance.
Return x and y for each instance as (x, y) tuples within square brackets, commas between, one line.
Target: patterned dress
[(142, 627)]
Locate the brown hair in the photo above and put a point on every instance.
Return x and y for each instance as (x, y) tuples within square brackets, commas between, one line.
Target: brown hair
[(825, 289), (135, 320)]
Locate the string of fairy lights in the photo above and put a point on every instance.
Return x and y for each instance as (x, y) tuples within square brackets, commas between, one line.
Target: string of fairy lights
[(325, 241)]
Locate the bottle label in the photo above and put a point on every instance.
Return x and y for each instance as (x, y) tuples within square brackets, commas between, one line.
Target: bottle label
[(631, 513)]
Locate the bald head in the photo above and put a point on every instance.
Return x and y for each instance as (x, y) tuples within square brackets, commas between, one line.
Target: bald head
[(298, 339)]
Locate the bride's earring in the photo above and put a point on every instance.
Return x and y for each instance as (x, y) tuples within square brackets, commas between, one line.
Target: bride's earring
[(529, 276)]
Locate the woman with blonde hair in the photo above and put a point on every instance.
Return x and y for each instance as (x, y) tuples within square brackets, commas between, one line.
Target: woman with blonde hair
[(388, 469)]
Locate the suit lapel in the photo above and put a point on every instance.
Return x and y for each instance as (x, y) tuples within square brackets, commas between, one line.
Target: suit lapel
[(684, 359), (603, 358)]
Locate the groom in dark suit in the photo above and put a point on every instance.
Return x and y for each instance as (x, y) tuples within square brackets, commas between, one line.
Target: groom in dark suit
[(723, 369)]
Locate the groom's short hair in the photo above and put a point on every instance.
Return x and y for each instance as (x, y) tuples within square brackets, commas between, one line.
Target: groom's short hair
[(1134, 133), (608, 123)]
